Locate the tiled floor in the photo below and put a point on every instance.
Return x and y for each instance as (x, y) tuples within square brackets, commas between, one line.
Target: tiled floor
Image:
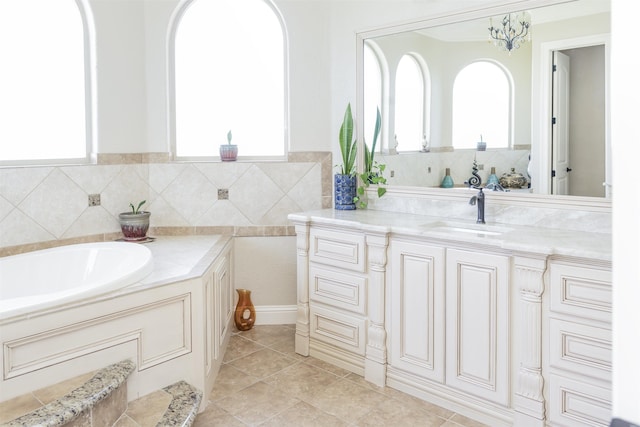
[(264, 382)]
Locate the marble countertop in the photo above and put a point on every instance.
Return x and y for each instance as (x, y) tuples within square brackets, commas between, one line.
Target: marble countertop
[(510, 237)]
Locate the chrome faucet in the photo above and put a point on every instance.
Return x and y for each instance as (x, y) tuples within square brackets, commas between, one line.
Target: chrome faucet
[(478, 199)]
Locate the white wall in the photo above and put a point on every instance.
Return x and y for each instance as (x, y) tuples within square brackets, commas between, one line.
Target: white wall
[(625, 108)]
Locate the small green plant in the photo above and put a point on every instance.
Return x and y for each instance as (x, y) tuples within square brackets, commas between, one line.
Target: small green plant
[(229, 136), (348, 145), (136, 210), (373, 171)]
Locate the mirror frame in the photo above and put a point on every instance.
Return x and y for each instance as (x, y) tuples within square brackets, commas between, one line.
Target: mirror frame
[(594, 204)]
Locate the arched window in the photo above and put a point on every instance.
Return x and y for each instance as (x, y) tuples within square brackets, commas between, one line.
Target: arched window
[(372, 94), (230, 75), (482, 105), (411, 101), (45, 108)]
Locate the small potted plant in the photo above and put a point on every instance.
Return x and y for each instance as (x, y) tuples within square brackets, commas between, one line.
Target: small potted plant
[(373, 171), (135, 223), (228, 151), (346, 181)]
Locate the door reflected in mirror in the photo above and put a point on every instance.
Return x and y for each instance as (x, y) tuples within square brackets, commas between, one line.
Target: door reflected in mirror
[(550, 126)]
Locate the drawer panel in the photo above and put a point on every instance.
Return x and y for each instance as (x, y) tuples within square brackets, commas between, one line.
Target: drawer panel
[(338, 329), (342, 290), (576, 403), (339, 249), (581, 291), (580, 348)]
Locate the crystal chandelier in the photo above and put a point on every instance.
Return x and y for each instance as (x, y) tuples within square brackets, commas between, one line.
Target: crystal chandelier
[(514, 31)]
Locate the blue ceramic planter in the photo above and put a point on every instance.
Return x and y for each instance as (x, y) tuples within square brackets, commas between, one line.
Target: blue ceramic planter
[(345, 191)]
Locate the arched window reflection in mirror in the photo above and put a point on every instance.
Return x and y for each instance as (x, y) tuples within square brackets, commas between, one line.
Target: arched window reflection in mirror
[(482, 106), (412, 89), (373, 92), (230, 75), (44, 105)]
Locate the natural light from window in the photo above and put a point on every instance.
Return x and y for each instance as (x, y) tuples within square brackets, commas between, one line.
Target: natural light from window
[(229, 75), (481, 106), (42, 81), (372, 94), (409, 105)]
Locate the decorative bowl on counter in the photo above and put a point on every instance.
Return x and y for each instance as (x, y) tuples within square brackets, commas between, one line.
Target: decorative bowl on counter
[(513, 179)]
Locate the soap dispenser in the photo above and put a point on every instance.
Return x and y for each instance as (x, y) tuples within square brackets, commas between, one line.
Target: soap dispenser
[(447, 181)]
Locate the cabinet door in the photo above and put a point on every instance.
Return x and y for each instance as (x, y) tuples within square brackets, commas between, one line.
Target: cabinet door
[(417, 309), (477, 331), (224, 300)]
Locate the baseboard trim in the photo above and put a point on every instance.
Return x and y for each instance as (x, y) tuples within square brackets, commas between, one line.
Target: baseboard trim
[(276, 314)]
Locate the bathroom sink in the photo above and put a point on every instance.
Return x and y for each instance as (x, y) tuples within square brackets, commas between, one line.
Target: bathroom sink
[(468, 228)]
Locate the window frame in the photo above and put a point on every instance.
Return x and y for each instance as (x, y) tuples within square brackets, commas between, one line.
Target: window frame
[(174, 23)]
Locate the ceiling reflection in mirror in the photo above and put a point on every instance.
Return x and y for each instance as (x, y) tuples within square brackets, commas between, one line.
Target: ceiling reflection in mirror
[(436, 110)]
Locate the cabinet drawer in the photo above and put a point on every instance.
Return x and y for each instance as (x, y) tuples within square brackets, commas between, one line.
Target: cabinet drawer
[(581, 291), (577, 403), (339, 249), (338, 329), (580, 348), (337, 289)]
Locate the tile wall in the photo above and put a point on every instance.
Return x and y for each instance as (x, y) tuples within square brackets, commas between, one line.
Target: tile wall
[(45, 204)]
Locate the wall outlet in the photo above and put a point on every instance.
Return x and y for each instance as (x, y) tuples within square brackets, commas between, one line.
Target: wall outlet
[(480, 167), (94, 200), (223, 194), (392, 173)]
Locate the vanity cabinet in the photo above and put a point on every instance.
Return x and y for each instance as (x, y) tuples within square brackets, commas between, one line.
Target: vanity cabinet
[(477, 324), (337, 297), (417, 309), (579, 343), (494, 327), (449, 318)]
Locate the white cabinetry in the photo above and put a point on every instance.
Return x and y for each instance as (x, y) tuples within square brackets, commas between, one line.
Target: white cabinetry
[(417, 324), (477, 324), (337, 297), (219, 300), (579, 344)]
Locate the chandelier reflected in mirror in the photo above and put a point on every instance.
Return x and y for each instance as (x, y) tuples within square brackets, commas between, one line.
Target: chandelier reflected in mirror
[(513, 30)]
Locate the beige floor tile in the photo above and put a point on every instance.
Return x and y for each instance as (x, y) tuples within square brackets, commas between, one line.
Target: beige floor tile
[(216, 416), (18, 406), (304, 415), (396, 412), (262, 363), (51, 393), (302, 380), (257, 403), (346, 400), (267, 334), (229, 381), (239, 347), (149, 409), (287, 346), (326, 366)]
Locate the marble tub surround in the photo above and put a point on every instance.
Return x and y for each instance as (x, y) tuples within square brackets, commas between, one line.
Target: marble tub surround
[(80, 401), (40, 204), (511, 237)]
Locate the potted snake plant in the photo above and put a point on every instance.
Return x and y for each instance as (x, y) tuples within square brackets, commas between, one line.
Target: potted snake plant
[(135, 223), (345, 182)]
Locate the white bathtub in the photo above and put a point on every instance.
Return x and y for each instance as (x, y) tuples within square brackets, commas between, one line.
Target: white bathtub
[(46, 278)]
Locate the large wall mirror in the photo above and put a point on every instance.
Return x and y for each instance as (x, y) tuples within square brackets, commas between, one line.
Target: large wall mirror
[(442, 87)]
